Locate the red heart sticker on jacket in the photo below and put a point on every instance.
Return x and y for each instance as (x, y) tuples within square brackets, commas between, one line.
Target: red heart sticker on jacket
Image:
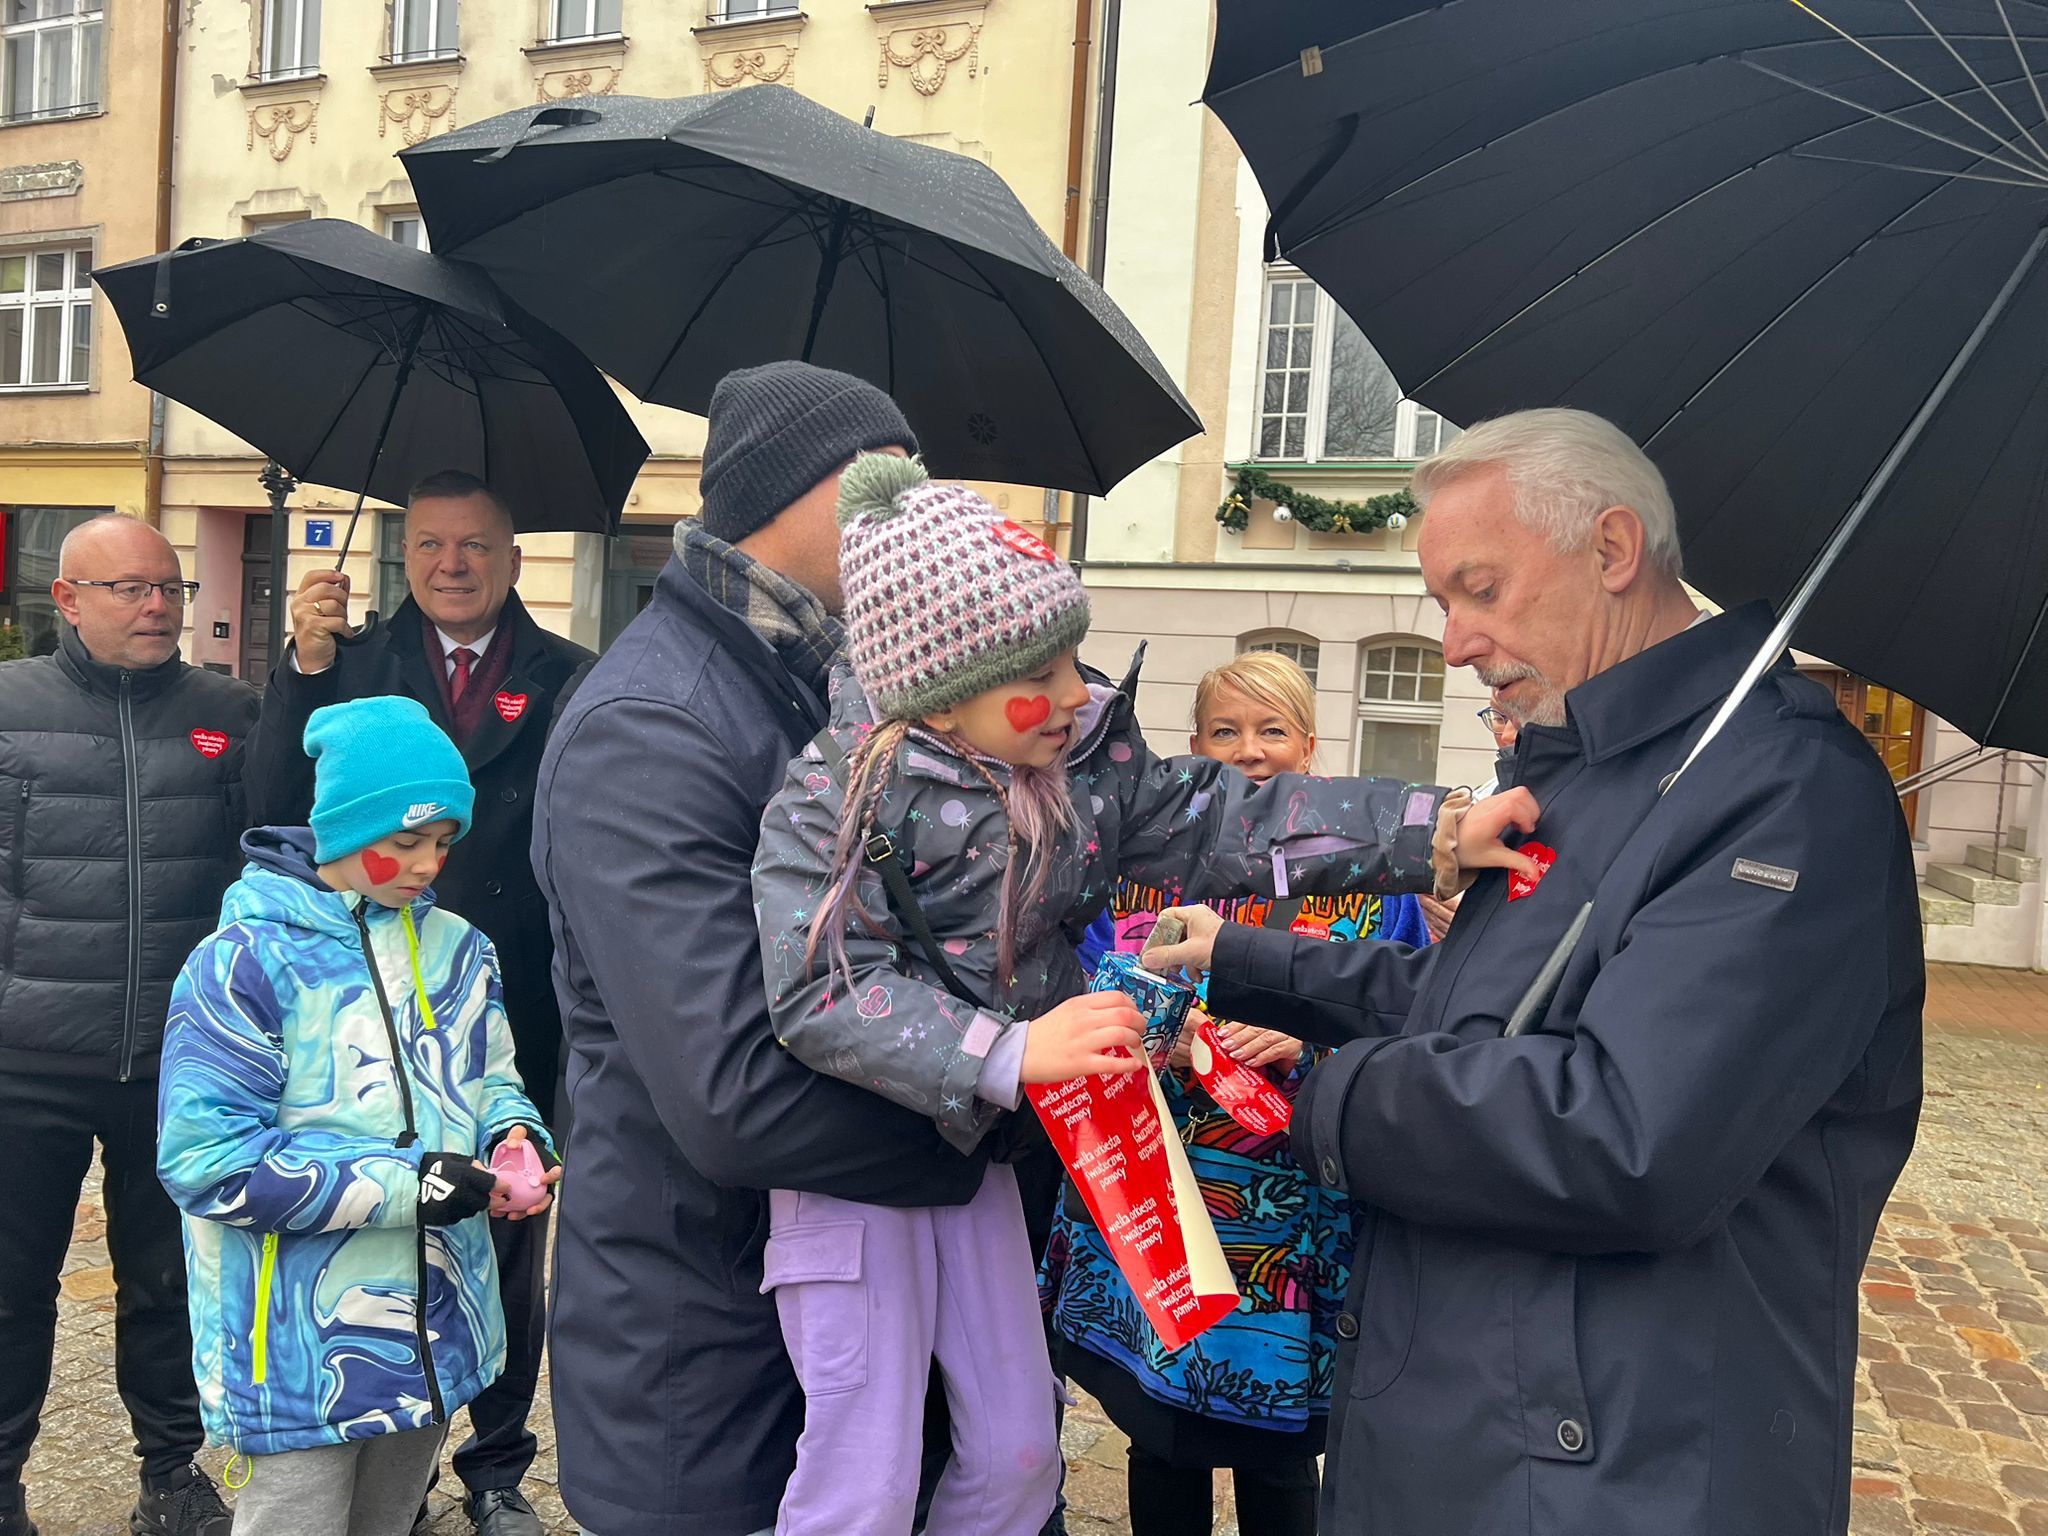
[(1026, 713), (1519, 884), (1024, 541), (510, 705), (210, 743)]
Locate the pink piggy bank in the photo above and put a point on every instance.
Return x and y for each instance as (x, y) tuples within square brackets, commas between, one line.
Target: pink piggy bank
[(518, 1164)]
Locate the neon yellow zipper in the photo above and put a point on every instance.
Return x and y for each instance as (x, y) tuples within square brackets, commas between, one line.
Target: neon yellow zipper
[(261, 1338), (419, 982)]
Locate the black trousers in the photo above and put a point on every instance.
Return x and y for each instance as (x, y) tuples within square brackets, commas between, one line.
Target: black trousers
[(500, 1447), (47, 1125)]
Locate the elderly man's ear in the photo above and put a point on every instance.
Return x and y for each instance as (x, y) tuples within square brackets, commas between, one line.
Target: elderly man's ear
[(1618, 545)]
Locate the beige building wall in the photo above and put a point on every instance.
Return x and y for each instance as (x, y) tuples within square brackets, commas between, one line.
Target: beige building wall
[(989, 78), (1185, 247), (84, 179)]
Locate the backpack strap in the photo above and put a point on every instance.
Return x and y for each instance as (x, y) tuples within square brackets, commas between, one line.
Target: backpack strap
[(880, 854)]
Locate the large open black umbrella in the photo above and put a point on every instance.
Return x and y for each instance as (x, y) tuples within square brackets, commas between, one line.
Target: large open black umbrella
[(1796, 250), (361, 363), (676, 240)]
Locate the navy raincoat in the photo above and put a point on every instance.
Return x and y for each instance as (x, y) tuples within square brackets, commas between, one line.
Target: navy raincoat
[(1607, 1279)]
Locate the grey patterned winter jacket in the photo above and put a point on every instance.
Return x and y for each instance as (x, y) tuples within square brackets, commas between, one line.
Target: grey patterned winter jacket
[(1187, 825)]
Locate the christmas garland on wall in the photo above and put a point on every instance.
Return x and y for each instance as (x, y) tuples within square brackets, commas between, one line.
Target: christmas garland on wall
[(1312, 512)]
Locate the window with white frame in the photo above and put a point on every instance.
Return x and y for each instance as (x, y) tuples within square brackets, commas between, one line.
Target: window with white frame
[(407, 229), (1400, 708), (256, 223), (423, 29), (46, 318), (49, 58), (1299, 649), (749, 10), (291, 38), (1324, 394), (570, 19)]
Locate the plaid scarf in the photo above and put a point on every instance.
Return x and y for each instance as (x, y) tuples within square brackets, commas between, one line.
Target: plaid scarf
[(804, 635)]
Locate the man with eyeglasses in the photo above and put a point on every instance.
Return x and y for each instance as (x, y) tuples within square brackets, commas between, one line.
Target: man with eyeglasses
[(120, 809)]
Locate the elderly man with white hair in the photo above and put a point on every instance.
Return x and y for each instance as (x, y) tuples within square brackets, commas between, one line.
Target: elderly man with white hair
[(1608, 1279)]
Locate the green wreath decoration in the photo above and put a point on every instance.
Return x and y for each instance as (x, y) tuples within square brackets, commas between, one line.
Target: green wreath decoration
[(1312, 512)]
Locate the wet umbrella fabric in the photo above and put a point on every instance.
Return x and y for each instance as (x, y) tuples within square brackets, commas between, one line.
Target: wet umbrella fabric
[(1794, 250), (674, 241), (363, 364)]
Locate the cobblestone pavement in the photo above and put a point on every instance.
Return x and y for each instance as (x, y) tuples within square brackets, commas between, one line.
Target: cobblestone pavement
[(1952, 1387)]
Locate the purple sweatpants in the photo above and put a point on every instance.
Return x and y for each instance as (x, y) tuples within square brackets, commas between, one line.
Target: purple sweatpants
[(869, 1297)]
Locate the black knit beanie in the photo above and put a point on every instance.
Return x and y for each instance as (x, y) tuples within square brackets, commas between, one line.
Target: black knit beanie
[(779, 429)]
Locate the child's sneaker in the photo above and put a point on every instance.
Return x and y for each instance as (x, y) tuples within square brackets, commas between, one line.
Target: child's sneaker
[(192, 1507)]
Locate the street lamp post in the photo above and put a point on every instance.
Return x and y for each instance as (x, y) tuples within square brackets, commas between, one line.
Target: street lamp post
[(277, 480)]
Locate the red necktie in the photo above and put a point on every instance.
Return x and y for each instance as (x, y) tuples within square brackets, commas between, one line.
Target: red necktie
[(464, 658)]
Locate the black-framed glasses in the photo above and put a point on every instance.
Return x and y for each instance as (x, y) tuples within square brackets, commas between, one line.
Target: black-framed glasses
[(130, 593), (1495, 720)]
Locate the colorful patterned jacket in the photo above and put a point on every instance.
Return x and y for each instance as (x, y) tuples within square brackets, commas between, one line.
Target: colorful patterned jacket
[(1289, 1241), (297, 1097)]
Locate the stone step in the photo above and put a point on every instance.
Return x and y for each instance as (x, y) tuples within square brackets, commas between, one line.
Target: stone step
[(1938, 907), (2005, 862), (1973, 885)]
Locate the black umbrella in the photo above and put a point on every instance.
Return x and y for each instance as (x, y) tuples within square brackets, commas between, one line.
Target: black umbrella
[(364, 364), (676, 240), (1795, 250)]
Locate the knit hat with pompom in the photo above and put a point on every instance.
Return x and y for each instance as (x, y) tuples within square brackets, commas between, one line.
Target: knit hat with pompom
[(945, 597)]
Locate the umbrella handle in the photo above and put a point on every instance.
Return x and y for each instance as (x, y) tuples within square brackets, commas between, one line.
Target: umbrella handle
[(547, 117)]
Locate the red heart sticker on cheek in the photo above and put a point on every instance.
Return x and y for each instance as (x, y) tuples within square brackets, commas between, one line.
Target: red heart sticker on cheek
[(1026, 713), (380, 869), (1519, 884)]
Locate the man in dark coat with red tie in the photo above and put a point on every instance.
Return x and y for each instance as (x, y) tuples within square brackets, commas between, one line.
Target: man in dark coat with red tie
[(465, 647)]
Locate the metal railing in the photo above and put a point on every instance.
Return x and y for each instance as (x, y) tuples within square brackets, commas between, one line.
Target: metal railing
[(1963, 762)]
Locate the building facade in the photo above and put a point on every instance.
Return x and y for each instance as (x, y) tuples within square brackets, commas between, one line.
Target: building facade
[(83, 182), (1292, 392), (291, 109)]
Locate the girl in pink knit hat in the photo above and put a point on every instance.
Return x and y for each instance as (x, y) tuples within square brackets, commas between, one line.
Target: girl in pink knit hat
[(1014, 788)]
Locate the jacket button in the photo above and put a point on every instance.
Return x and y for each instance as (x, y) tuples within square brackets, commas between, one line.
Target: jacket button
[(1347, 1326), (1570, 1437), (492, 888), (508, 795), (1330, 1170)]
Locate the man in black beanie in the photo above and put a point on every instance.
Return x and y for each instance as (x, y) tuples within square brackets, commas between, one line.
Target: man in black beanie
[(675, 1405)]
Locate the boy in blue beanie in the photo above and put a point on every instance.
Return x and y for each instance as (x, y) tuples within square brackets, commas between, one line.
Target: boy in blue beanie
[(336, 1069)]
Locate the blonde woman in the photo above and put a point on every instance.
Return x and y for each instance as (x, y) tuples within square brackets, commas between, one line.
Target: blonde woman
[(1253, 1393)]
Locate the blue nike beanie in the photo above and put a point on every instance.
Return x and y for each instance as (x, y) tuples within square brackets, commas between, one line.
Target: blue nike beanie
[(381, 765)]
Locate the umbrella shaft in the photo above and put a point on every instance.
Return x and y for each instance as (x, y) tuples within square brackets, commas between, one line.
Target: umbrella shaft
[(828, 272), (1795, 606), (405, 361)]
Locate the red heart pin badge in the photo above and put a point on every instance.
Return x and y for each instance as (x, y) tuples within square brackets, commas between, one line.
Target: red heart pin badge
[(1519, 884), (510, 705), (1023, 540), (209, 743)]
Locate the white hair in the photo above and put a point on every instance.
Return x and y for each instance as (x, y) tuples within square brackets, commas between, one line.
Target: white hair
[(1565, 468)]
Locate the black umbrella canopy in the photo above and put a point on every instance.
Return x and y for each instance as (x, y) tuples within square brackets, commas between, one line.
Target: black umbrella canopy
[(677, 240), (361, 363), (1755, 233)]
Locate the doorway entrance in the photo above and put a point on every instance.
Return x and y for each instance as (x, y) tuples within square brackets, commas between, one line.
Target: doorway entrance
[(633, 560), (256, 604), (1893, 724)]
